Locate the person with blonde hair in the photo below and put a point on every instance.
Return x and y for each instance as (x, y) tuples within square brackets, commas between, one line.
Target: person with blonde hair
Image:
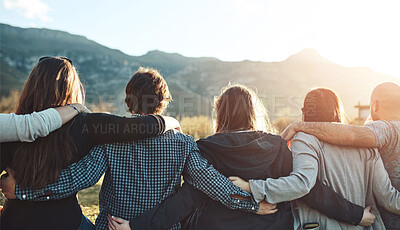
[(356, 173), (54, 82), (140, 174), (242, 145)]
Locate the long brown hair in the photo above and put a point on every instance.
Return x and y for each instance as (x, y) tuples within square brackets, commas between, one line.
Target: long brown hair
[(238, 108), (52, 82), (323, 105)]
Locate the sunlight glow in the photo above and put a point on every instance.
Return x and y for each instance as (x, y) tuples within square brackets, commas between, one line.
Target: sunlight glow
[(349, 33)]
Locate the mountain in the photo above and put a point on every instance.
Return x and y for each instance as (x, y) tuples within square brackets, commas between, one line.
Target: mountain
[(307, 55), (193, 81)]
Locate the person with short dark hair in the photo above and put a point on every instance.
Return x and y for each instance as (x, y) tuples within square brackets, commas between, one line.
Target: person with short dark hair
[(140, 174), (147, 92), (54, 82), (242, 146)]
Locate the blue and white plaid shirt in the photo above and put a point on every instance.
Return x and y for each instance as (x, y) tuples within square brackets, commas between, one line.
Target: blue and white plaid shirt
[(141, 174)]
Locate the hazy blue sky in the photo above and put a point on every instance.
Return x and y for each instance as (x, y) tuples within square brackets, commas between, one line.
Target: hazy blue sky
[(348, 32)]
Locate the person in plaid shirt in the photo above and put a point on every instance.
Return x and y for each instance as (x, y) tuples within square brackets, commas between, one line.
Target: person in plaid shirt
[(141, 174)]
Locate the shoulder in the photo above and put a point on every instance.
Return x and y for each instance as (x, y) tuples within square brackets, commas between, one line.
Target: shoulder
[(383, 131), (304, 140), (181, 136), (176, 136), (275, 138), (271, 136), (300, 136), (380, 125)]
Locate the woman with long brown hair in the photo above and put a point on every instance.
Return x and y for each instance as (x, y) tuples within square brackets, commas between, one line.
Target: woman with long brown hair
[(244, 146), (356, 173), (54, 82)]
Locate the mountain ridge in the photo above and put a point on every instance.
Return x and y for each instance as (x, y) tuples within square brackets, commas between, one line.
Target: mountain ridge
[(192, 80)]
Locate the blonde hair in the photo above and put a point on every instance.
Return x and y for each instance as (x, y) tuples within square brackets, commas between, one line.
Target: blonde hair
[(239, 108)]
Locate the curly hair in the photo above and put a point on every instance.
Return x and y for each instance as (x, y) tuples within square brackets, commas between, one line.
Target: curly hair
[(147, 92)]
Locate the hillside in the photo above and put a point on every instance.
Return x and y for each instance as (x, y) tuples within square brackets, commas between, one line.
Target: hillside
[(193, 81)]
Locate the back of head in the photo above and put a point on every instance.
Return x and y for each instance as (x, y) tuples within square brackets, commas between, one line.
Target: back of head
[(147, 92), (52, 82), (323, 105), (385, 102), (239, 108)]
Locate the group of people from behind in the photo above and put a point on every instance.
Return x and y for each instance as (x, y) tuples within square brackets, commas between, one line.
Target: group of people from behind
[(330, 175)]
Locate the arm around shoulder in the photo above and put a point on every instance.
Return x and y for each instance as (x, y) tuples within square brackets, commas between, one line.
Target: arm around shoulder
[(299, 182), (338, 134), (106, 128), (28, 127), (203, 176)]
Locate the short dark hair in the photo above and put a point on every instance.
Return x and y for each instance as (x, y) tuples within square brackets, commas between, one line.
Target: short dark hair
[(147, 92)]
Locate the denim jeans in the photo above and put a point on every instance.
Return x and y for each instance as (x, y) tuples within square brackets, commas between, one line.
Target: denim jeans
[(86, 224)]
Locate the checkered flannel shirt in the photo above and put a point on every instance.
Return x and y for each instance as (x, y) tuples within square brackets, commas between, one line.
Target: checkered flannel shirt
[(140, 174)]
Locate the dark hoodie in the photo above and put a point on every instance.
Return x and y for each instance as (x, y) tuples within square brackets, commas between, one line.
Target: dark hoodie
[(249, 155)]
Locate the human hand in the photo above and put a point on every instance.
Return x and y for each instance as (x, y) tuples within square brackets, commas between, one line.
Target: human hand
[(82, 108), (239, 182), (115, 223), (68, 112), (171, 123), (368, 217), (290, 131), (7, 184), (266, 208)]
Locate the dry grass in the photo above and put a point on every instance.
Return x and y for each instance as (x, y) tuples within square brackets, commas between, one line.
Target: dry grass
[(91, 212), (197, 127), (89, 201)]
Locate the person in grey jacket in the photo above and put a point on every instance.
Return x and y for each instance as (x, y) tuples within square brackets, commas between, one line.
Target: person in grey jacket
[(356, 173), (382, 131), (28, 127)]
